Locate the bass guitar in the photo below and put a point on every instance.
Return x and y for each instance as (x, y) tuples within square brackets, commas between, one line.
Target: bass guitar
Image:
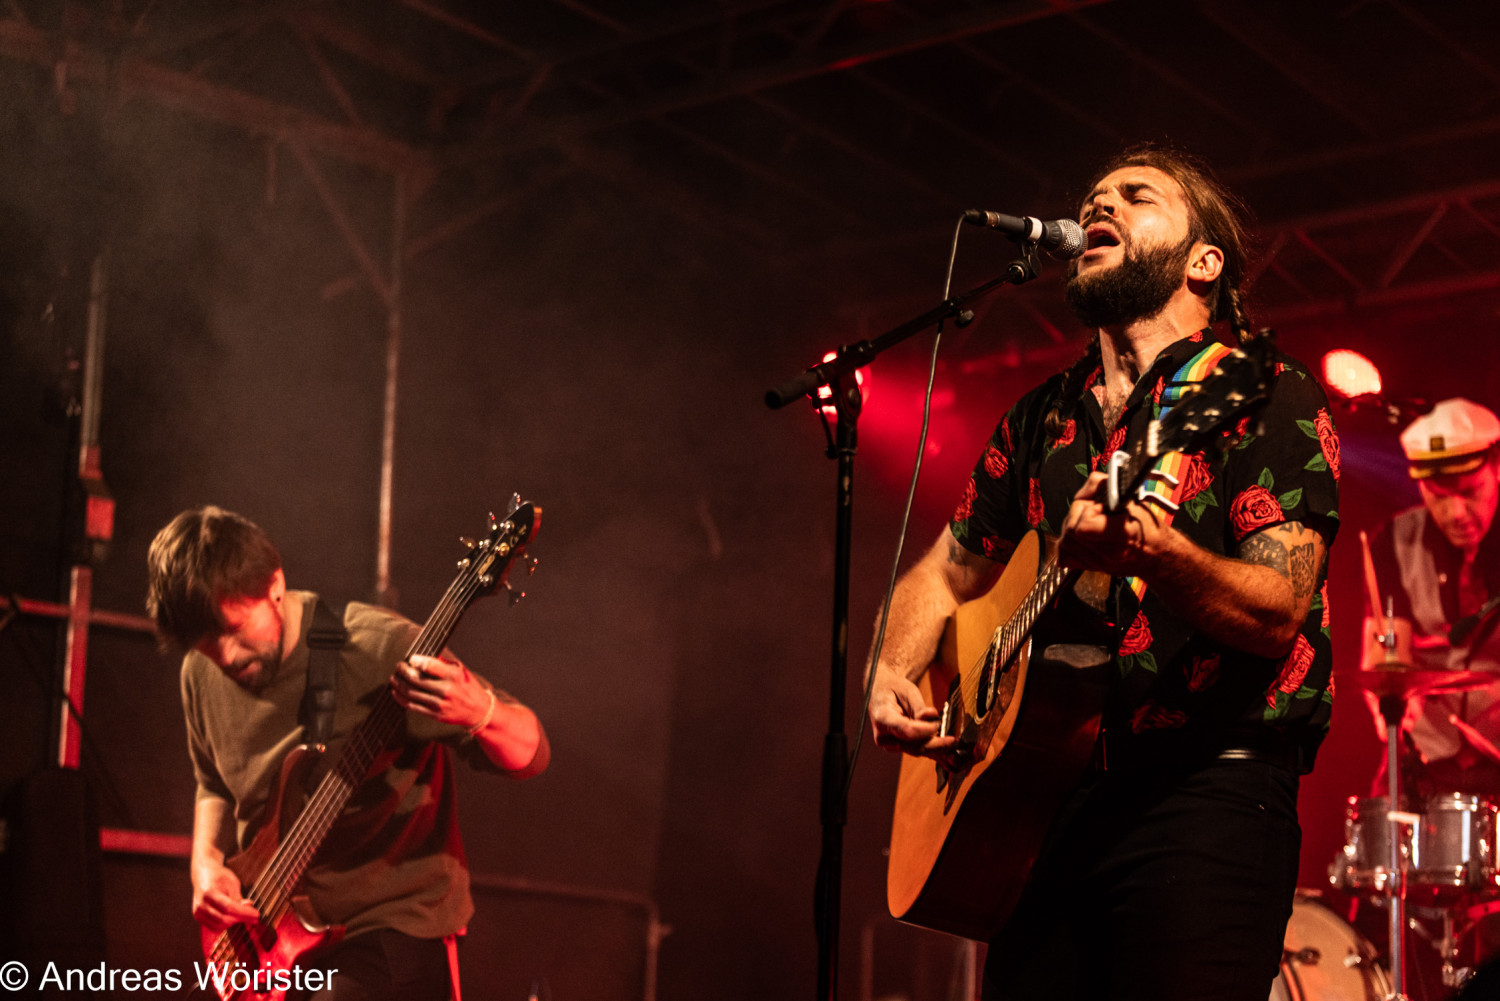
[(255, 962), (1020, 679)]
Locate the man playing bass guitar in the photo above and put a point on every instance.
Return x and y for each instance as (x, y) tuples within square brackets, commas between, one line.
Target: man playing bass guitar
[(1169, 870), (391, 870)]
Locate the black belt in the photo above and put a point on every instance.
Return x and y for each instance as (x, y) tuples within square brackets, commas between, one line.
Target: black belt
[(1266, 746)]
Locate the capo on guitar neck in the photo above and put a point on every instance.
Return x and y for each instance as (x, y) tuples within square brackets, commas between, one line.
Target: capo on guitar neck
[(1117, 470)]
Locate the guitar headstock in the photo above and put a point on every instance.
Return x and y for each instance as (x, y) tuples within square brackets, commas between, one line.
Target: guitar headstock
[(1238, 388), (1201, 420), (487, 566)]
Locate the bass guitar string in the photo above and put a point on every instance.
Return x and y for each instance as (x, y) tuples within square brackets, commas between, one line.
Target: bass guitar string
[(291, 859), (333, 791)]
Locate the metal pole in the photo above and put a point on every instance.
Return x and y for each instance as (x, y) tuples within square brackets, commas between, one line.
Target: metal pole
[(98, 516), (384, 594)]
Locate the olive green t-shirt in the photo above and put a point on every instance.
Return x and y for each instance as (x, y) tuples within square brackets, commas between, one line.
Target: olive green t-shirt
[(393, 859)]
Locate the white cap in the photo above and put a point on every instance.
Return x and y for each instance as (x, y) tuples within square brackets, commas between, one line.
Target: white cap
[(1454, 438)]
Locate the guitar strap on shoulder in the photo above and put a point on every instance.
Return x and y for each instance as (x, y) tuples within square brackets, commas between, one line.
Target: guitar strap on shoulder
[(325, 638), (1165, 482)]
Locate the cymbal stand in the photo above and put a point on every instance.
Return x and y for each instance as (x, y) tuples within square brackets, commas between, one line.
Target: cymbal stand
[(1393, 711)]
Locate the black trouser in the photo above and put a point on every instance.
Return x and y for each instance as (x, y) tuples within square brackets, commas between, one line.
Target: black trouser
[(1167, 887), (385, 965)]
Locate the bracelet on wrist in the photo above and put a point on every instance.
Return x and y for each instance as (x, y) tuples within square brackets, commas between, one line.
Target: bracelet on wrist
[(473, 730)]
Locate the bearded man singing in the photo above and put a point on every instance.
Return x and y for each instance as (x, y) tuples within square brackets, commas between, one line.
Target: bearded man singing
[(1170, 869)]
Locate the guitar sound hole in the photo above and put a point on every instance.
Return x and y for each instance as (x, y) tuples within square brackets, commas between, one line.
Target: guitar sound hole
[(984, 699)]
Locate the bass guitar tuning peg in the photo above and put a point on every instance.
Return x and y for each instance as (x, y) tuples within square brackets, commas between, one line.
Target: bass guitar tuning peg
[(466, 542), (531, 564), (515, 595)]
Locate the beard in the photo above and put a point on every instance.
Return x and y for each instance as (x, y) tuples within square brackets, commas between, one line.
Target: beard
[(1138, 288), (255, 672)]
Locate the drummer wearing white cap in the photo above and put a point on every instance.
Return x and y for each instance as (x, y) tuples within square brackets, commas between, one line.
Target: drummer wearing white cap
[(1438, 565)]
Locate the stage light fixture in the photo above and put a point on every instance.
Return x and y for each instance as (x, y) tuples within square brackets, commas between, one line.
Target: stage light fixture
[(1350, 374)]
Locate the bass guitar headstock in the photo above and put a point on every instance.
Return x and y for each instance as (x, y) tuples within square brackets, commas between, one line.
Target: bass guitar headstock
[(488, 563)]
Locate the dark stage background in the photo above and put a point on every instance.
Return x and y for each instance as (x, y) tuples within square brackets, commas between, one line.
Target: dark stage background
[(622, 223)]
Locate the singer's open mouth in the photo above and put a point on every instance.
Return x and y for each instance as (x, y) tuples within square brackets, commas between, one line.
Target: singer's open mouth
[(1100, 235)]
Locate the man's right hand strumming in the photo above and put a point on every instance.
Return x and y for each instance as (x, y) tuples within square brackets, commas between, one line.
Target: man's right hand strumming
[(902, 720), (217, 900), (946, 576)]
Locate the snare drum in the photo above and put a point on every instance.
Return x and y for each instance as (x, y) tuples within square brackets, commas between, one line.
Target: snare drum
[(1453, 848), (1455, 845), (1323, 959), (1365, 861)]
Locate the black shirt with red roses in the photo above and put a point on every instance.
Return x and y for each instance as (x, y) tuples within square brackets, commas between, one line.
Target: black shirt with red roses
[(1177, 688)]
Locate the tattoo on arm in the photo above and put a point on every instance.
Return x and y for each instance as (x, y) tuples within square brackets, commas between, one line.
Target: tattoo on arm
[(1264, 550), (1303, 573), (1278, 548)]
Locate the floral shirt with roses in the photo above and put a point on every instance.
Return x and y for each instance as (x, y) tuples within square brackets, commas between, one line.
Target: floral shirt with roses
[(1175, 685)]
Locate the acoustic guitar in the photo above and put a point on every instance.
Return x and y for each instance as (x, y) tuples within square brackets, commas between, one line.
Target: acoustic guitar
[(254, 962), (1020, 679)]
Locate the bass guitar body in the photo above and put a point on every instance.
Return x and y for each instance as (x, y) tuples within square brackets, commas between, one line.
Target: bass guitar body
[(1020, 679), (255, 962)]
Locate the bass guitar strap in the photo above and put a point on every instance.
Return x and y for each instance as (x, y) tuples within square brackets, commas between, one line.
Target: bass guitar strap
[(325, 638)]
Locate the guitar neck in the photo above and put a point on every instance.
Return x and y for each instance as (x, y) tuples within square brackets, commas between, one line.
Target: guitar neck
[(1049, 583), (273, 890)]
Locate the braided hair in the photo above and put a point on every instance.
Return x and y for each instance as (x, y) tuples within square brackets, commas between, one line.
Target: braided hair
[(1216, 216)]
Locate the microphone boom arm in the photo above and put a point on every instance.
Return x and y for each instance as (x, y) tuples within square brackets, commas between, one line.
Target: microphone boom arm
[(1021, 270)]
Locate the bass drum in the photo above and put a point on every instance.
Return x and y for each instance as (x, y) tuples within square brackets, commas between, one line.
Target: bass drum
[(1324, 959)]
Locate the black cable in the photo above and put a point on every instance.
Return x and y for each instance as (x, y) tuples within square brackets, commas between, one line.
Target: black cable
[(911, 493)]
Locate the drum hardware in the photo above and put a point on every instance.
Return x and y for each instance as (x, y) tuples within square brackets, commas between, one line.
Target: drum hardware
[(1441, 853), (1403, 834)]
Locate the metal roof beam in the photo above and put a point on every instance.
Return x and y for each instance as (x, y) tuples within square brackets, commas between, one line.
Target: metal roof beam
[(1485, 67), (389, 60), (331, 81), (1192, 89), (1383, 298), (1383, 147), (1293, 61), (131, 78), (969, 135), (797, 67), (1403, 253)]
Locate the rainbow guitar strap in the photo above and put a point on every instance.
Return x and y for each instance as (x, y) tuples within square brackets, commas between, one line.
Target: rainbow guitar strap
[(1164, 483)]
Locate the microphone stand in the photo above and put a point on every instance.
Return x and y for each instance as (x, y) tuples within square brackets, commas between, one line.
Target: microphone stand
[(837, 374)]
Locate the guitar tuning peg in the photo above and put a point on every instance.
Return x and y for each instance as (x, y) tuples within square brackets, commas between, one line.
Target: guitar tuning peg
[(466, 542), (515, 595), (493, 523), (515, 503), (531, 565)]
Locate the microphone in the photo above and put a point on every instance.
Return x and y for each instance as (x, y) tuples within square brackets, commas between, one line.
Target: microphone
[(1061, 238)]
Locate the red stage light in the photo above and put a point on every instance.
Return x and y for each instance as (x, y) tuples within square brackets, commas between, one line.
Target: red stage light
[(861, 379), (1350, 374)]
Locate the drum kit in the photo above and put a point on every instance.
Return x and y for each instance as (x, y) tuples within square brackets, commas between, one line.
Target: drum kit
[(1437, 856)]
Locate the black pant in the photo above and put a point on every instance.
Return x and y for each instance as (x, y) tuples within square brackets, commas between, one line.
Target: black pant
[(385, 965), (1172, 886)]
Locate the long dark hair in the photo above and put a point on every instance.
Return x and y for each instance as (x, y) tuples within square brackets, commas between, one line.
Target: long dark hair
[(1216, 216)]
